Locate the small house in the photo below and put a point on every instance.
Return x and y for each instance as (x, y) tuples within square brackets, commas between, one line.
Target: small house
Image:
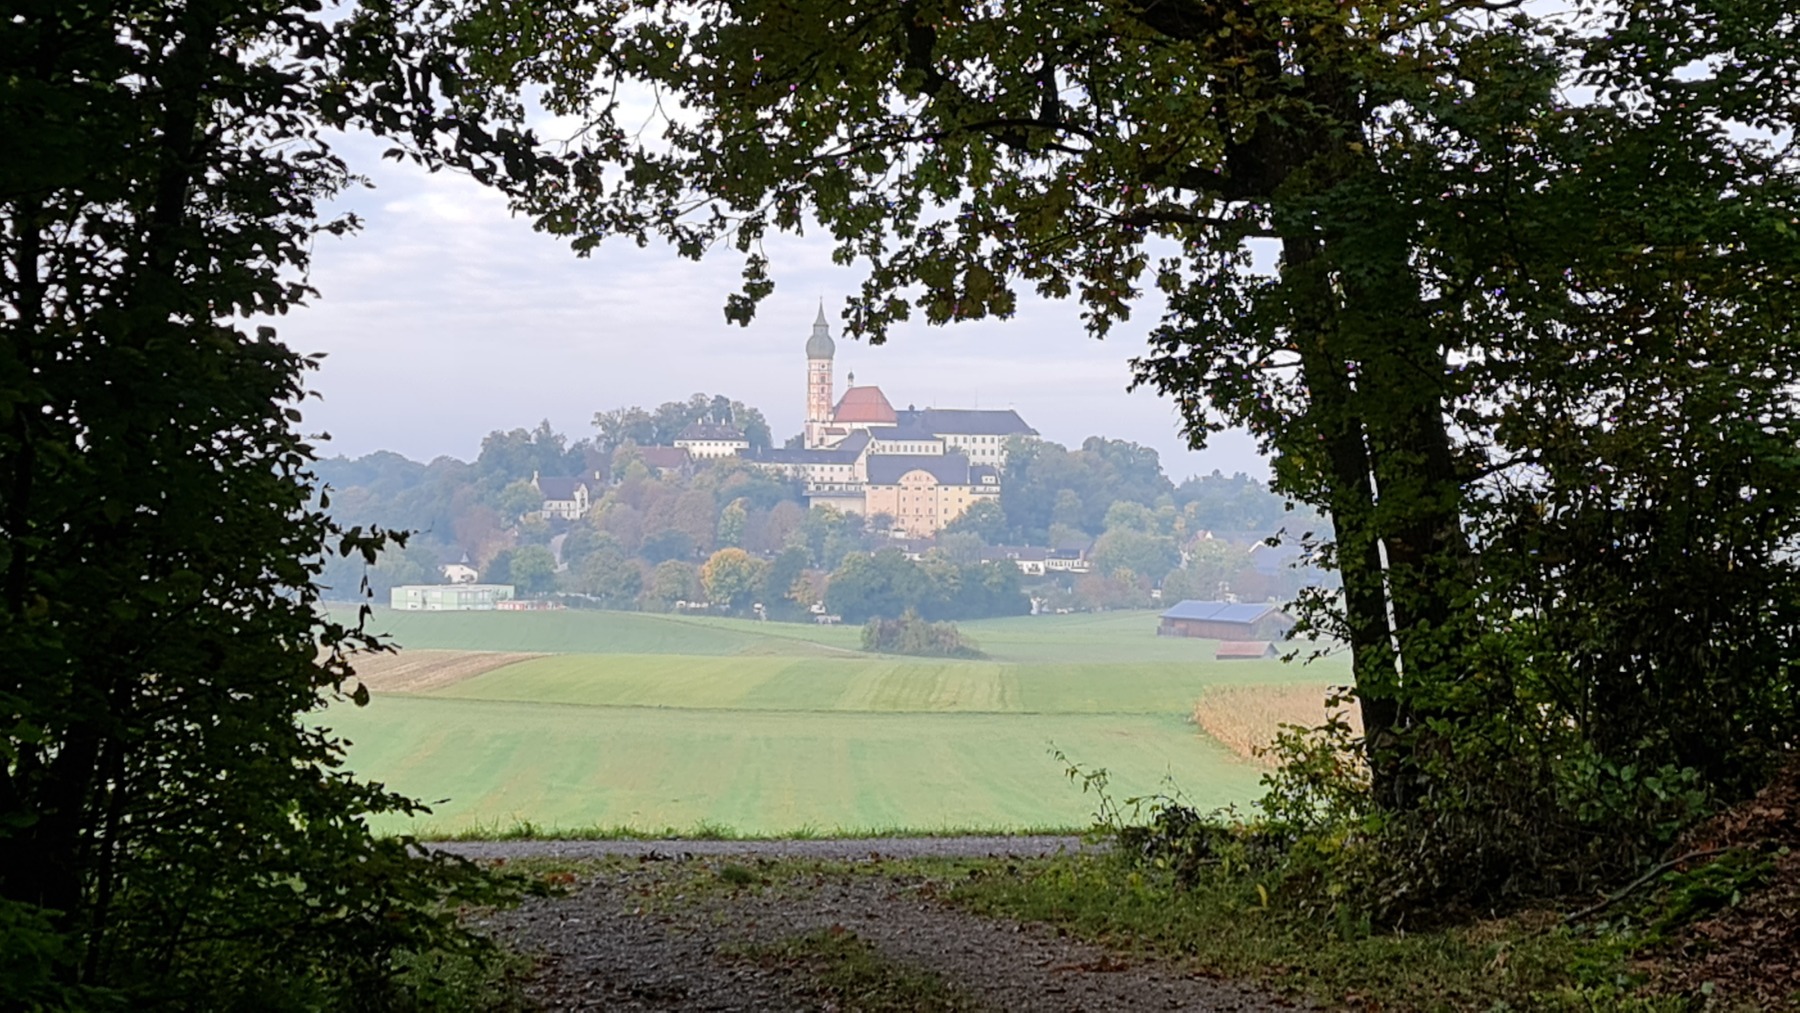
[(566, 498)]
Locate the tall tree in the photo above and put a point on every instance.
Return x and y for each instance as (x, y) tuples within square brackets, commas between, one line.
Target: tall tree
[(1402, 158), (172, 829)]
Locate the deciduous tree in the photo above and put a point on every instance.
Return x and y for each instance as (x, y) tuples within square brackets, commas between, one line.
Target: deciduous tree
[(1417, 169), (173, 829), (733, 578)]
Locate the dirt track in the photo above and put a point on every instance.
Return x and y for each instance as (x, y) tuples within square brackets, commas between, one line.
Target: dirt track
[(669, 929)]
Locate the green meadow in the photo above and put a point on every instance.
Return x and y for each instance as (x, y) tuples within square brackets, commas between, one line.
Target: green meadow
[(650, 722)]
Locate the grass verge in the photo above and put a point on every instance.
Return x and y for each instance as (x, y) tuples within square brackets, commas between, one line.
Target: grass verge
[(1526, 961)]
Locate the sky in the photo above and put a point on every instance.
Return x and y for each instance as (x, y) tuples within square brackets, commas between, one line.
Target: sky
[(446, 318)]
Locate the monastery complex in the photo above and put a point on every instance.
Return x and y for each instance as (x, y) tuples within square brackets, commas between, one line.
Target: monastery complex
[(921, 466)]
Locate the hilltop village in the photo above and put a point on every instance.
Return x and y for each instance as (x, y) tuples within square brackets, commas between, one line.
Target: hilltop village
[(922, 467), (869, 509)]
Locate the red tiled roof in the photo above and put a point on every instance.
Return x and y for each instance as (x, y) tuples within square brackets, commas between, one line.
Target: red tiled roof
[(865, 405), (1245, 649)]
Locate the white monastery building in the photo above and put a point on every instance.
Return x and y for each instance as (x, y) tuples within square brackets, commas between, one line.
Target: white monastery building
[(923, 467)]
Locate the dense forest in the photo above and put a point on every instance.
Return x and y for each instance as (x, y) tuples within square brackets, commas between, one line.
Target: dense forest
[(726, 533)]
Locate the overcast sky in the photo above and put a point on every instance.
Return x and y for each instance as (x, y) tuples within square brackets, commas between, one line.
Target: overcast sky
[(446, 318)]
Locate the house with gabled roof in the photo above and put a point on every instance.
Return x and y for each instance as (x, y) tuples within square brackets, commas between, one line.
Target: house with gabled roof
[(1225, 620), (711, 440), (663, 461), (564, 497)]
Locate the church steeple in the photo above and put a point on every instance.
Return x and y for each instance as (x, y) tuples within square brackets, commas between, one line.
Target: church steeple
[(820, 345), (820, 350)]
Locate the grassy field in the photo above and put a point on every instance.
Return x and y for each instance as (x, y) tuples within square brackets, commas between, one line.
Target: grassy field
[(653, 722)]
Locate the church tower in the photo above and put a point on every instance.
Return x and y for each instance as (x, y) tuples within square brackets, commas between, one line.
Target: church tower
[(819, 352)]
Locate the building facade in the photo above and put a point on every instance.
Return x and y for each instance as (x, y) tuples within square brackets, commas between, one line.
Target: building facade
[(449, 597), (925, 492), (567, 498), (711, 441), (923, 467)]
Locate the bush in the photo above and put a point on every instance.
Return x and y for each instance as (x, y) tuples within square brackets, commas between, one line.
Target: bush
[(911, 635)]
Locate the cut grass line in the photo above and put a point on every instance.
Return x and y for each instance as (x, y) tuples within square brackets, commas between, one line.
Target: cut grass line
[(478, 763), (425, 671)]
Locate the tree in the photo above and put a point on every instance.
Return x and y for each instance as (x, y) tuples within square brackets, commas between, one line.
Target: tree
[(608, 575), (584, 539), (779, 580), (1380, 146), (732, 578), (783, 526), (519, 498), (667, 544), (884, 584), (830, 535), (622, 426), (961, 547), (533, 569), (173, 827), (985, 519), (1209, 567), (1133, 550), (516, 455), (731, 524), (675, 581)]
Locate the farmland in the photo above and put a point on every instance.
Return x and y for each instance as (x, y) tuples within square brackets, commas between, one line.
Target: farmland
[(623, 720)]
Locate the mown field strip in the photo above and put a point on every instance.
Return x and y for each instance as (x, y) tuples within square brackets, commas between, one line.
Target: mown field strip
[(862, 683), (655, 722), (428, 671), (768, 772), (596, 632)]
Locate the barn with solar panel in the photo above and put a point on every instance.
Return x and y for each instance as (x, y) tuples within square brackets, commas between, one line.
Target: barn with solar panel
[(1225, 620)]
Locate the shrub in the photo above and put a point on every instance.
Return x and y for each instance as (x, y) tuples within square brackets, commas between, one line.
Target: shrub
[(911, 635)]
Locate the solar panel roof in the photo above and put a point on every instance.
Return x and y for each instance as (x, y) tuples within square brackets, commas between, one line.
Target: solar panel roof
[(1218, 611)]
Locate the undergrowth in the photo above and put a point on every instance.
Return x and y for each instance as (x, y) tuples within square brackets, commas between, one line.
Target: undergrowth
[(1320, 893)]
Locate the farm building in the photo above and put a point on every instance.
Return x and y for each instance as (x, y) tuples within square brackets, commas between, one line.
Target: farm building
[(1223, 620), (449, 597)]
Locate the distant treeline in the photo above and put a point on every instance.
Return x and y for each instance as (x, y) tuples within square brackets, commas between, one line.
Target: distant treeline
[(654, 541)]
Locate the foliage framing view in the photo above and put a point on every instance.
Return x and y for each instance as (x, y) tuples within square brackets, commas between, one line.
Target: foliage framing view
[(173, 832), (1533, 353), (1528, 340)]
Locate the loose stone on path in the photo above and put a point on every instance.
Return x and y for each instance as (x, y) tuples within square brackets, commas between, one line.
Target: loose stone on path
[(622, 941)]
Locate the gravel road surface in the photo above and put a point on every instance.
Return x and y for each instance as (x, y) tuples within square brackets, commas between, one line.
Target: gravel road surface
[(663, 931)]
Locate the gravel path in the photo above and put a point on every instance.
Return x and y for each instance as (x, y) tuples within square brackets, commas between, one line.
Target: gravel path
[(666, 932)]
